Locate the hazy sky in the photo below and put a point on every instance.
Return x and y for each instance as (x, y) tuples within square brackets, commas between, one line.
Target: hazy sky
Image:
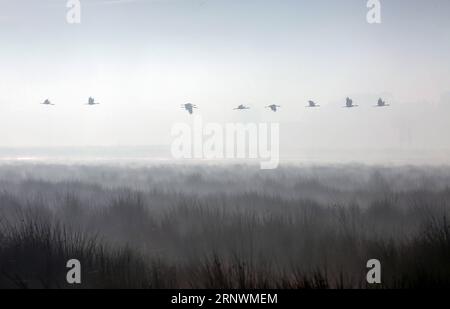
[(141, 59)]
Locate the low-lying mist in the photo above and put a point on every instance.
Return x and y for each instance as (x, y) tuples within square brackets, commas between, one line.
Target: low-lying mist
[(223, 226)]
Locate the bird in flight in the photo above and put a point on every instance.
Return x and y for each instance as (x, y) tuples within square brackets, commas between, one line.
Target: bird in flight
[(189, 107), (381, 103), (47, 102), (242, 107), (91, 101), (349, 103), (273, 107), (312, 104)]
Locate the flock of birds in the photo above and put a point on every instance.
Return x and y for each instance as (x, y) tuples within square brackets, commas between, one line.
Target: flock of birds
[(91, 101), (189, 107)]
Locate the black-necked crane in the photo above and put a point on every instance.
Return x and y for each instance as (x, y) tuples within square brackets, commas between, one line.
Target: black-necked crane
[(381, 103), (91, 101), (273, 107), (189, 107), (349, 103), (47, 102), (242, 107), (312, 104)]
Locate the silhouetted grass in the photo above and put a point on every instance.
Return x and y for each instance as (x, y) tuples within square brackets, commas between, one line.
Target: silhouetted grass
[(217, 227)]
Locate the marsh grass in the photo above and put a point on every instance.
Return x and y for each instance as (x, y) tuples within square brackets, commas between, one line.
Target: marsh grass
[(155, 228)]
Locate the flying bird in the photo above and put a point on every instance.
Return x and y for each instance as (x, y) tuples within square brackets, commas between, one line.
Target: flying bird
[(312, 104), (189, 107), (91, 101), (273, 107), (242, 107), (47, 102), (349, 103), (381, 103)]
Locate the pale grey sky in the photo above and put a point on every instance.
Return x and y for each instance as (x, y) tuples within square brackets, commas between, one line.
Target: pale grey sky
[(141, 59)]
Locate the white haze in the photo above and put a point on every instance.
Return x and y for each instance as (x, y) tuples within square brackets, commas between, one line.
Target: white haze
[(142, 59)]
